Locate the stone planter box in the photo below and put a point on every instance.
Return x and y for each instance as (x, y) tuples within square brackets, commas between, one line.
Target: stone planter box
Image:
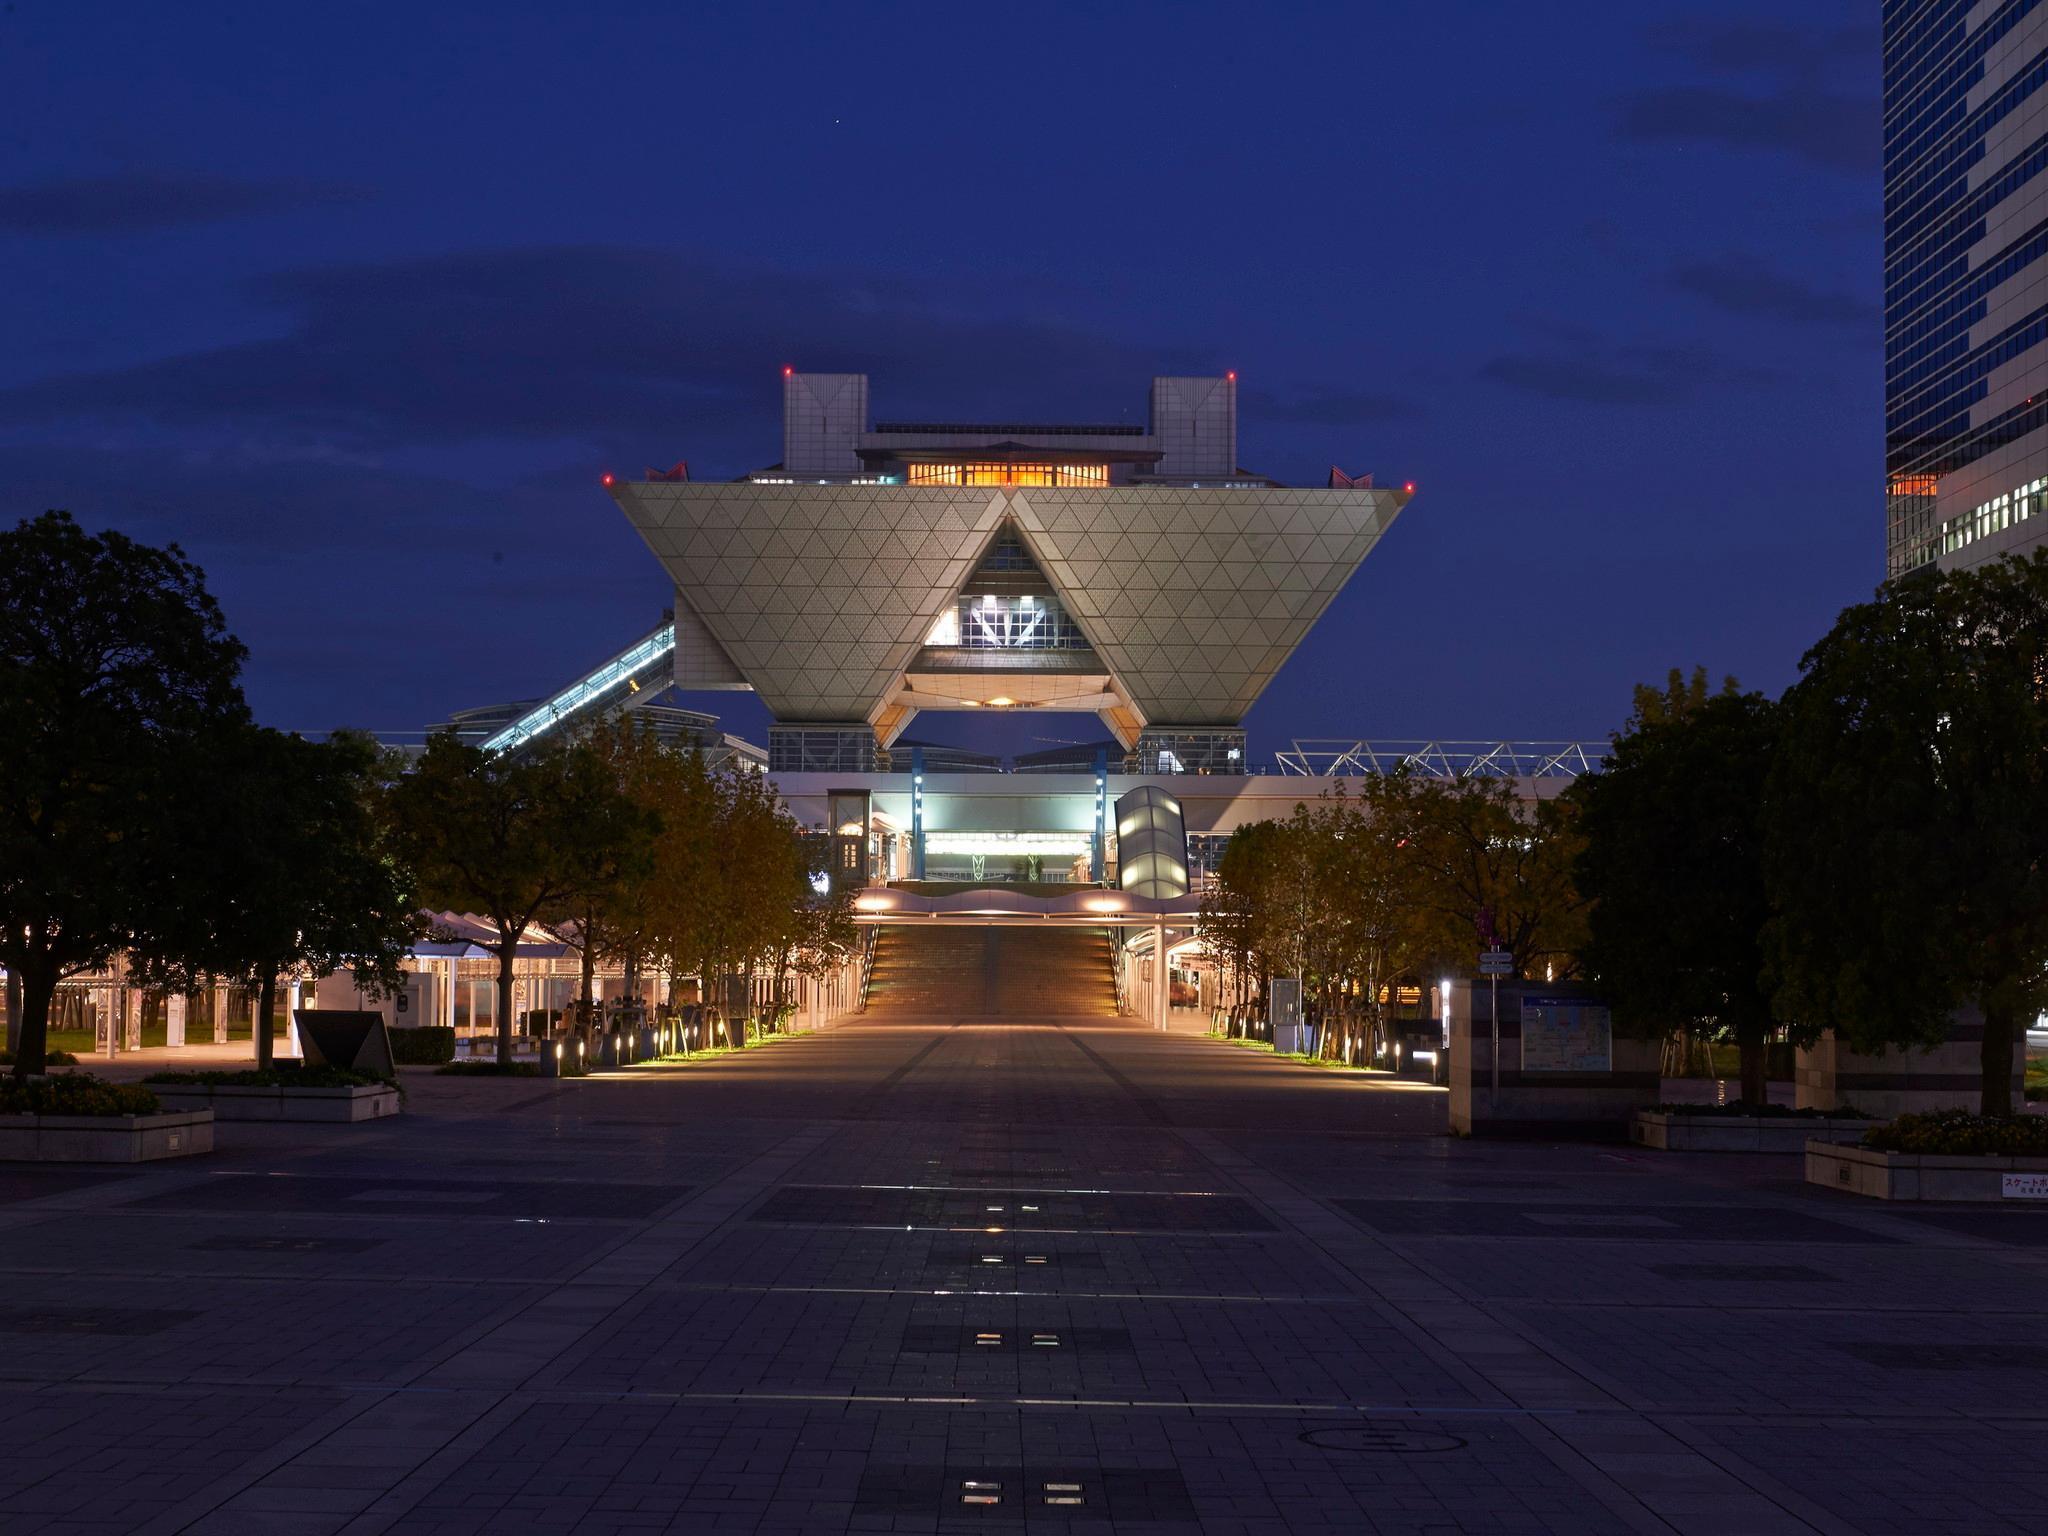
[(321, 1105), (105, 1138), (1676, 1131), (1916, 1176)]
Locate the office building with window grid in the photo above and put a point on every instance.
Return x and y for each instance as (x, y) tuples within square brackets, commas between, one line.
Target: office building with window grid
[(886, 568), (1965, 280)]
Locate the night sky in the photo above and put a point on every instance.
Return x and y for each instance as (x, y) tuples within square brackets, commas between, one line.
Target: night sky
[(356, 302)]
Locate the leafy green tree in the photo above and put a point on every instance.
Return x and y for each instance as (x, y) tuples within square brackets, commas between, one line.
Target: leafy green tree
[(1481, 848), (1679, 697), (1673, 865), (114, 659), (603, 913), (284, 870), (507, 836), (1906, 827)]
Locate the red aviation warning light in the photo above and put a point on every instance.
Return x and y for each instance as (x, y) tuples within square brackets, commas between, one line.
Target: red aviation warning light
[(605, 478)]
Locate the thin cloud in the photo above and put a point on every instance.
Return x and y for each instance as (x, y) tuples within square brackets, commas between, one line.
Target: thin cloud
[(1766, 47), (1794, 89), (1839, 132), (140, 202), (1328, 406), (627, 350), (1592, 373), (1741, 285)]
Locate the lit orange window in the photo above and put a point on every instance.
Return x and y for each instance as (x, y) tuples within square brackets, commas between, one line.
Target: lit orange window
[(1008, 474)]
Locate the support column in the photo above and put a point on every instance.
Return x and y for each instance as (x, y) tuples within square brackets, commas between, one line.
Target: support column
[(292, 994), (917, 813), (174, 1021), (220, 1015), (131, 1019), (1162, 994), (1098, 853), (448, 992)]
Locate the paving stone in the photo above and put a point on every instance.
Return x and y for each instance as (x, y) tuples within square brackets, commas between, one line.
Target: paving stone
[(751, 1295)]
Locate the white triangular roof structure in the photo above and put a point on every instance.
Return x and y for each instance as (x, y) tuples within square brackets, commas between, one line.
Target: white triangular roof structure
[(821, 596)]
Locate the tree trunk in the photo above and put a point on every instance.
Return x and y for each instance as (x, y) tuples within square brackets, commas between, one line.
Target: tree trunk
[(38, 987), (505, 952), (2000, 1029), (1751, 1046), (588, 995), (263, 1022), (13, 1014)]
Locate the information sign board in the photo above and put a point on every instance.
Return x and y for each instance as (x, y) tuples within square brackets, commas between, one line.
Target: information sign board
[(1496, 962), (2026, 1186), (1566, 1034)]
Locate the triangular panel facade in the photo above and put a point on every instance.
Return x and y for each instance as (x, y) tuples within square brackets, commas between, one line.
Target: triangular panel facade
[(822, 595)]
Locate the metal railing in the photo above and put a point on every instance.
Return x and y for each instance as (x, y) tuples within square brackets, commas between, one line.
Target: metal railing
[(870, 936), (1325, 757)]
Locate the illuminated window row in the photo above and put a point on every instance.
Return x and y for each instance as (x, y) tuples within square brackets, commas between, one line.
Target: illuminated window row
[(1994, 516), (1009, 474)]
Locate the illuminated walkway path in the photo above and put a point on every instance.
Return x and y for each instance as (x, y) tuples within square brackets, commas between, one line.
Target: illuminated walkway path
[(855, 1281)]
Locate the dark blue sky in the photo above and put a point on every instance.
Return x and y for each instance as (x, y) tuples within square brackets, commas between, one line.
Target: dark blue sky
[(356, 301)]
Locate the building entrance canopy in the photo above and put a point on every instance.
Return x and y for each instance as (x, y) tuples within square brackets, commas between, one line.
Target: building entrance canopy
[(1089, 906)]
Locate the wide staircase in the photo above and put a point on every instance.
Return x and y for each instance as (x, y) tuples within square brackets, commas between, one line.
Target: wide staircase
[(991, 972)]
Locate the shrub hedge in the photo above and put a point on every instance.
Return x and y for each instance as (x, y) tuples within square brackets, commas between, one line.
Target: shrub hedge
[(273, 1077), (1762, 1111), (422, 1045), (1959, 1133), (75, 1094)]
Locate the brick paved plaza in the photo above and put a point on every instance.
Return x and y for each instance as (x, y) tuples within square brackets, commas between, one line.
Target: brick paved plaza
[(969, 1276)]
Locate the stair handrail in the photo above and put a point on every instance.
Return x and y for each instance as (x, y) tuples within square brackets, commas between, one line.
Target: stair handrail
[(1116, 971), (869, 937)]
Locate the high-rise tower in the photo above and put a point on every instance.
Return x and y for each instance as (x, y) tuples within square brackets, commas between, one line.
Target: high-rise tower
[(1965, 280)]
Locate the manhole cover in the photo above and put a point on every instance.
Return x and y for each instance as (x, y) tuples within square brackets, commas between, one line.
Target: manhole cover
[(1382, 1440)]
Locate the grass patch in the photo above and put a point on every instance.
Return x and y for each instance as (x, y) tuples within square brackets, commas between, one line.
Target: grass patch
[(1299, 1058), (2037, 1079), (708, 1053)]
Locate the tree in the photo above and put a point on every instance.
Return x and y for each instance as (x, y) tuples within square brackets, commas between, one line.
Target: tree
[(113, 659), (507, 836), (1680, 697), (1672, 863), (284, 870), (1906, 828), (1481, 848), (604, 911), (1327, 895)]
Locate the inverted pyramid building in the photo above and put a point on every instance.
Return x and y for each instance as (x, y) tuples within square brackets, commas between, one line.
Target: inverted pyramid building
[(1140, 576)]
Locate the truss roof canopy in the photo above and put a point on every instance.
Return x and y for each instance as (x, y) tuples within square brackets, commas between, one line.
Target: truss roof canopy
[(821, 596)]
